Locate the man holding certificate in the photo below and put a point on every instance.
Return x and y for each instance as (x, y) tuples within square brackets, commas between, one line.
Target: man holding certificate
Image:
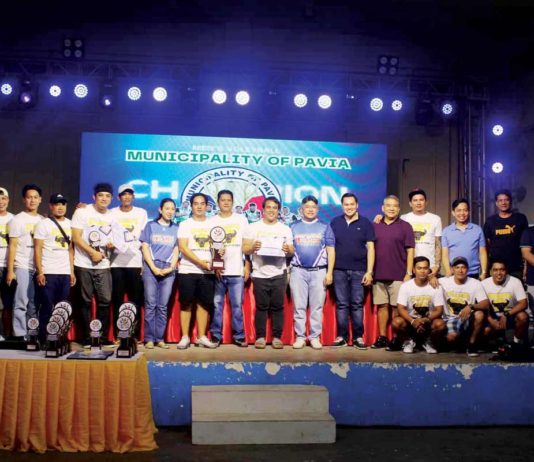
[(270, 243)]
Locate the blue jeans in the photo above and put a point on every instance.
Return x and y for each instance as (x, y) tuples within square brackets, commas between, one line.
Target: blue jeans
[(24, 303), (307, 287), (56, 289), (157, 293), (234, 286), (349, 296)]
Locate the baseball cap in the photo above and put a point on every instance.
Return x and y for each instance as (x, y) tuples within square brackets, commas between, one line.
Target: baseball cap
[(3, 192), (460, 261), (57, 198), (416, 191), (126, 187)]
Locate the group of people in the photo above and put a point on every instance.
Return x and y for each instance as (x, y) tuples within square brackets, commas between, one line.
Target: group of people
[(434, 287)]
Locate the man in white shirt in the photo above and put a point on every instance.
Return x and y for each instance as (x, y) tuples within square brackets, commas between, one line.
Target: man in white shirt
[(270, 243), (126, 266), (93, 243), (232, 278), (6, 292), (54, 259), (20, 261)]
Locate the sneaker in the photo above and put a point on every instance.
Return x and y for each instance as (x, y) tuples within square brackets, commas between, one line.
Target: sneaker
[(339, 342), (205, 342), (381, 342), (2, 338), (149, 345), (472, 351), (394, 345), (429, 348), (360, 344), (277, 344), (408, 346), (240, 342), (260, 343), (183, 343), (215, 341), (316, 343), (299, 343), (163, 345)]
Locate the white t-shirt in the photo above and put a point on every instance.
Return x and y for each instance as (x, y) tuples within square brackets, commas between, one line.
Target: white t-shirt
[(55, 257), (458, 296), (96, 231), (234, 226), (4, 233), (133, 223), (505, 296), (22, 226), (197, 233), (268, 266), (426, 228), (419, 300)]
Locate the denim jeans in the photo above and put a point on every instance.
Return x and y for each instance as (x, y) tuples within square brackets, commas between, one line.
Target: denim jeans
[(157, 293), (234, 286), (307, 288), (349, 301), (56, 289), (24, 306)]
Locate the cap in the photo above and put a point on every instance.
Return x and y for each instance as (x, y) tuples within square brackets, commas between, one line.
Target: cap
[(126, 187), (57, 198), (3, 192), (460, 261), (416, 191)]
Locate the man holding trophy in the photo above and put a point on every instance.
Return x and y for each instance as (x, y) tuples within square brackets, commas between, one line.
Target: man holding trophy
[(226, 239)]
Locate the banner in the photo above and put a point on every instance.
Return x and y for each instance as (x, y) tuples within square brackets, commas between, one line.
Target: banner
[(160, 166)]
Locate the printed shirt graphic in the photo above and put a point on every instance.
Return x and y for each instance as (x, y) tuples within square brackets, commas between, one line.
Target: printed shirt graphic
[(197, 233), (419, 301), (132, 223), (22, 226), (234, 227), (426, 228), (310, 240), (55, 256), (458, 296), (503, 297), (4, 233), (162, 239)]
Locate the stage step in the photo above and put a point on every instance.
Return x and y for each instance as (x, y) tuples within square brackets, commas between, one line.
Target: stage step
[(261, 414)]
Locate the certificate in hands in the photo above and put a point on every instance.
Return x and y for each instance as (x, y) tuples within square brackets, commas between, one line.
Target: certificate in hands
[(271, 246)]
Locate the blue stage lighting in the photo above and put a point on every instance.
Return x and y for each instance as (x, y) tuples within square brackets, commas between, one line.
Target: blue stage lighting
[(159, 94), (25, 98), (81, 90), (447, 109), (55, 91), (134, 93), (324, 101), (242, 97), (497, 167), (396, 105), (219, 96), (6, 89), (376, 104), (300, 100), (497, 130)]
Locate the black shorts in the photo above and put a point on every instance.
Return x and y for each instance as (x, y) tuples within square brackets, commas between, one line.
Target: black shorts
[(196, 288)]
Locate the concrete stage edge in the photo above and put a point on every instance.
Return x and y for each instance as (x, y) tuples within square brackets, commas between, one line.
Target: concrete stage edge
[(366, 388)]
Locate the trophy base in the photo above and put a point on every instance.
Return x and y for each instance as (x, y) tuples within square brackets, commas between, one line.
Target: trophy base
[(32, 347), (51, 354)]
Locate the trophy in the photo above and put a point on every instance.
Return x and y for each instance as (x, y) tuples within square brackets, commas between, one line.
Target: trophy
[(217, 236), (127, 347), (32, 343), (96, 332), (52, 339)]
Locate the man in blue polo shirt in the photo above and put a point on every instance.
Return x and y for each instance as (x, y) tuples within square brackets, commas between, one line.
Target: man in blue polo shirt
[(353, 269), (464, 239)]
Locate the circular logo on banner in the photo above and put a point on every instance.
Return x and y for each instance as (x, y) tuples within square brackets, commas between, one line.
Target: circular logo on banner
[(246, 185)]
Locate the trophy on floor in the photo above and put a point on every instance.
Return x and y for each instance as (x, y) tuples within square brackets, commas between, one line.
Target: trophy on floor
[(52, 339), (217, 237), (126, 323), (95, 326), (32, 343)]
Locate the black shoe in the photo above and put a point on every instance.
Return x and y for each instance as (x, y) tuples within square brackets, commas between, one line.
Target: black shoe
[(240, 342), (339, 342), (394, 345), (381, 342), (216, 341), (472, 350), (360, 344)]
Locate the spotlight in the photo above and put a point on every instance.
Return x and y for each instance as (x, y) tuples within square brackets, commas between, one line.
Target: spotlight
[(300, 100), (242, 97), (159, 94), (81, 90), (447, 108), (387, 65), (497, 167), (497, 130), (28, 93), (55, 91), (134, 93), (376, 104), (6, 89), (219, 96), (396, 105), (73, 48), (324, 101), (107, 95)]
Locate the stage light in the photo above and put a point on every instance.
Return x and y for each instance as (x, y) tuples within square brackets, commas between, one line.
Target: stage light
[(6, 89), (25, 97), (387, 65), (497, 130), (447, 108), (300, 100), (219, 96), (134, 93), (497, 167), (55, 90), (376, 104), (28, 93), (242, 97), (396, 105), (107, 94), (81, 90), (324, 101), (159, 94), (73, 48)]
